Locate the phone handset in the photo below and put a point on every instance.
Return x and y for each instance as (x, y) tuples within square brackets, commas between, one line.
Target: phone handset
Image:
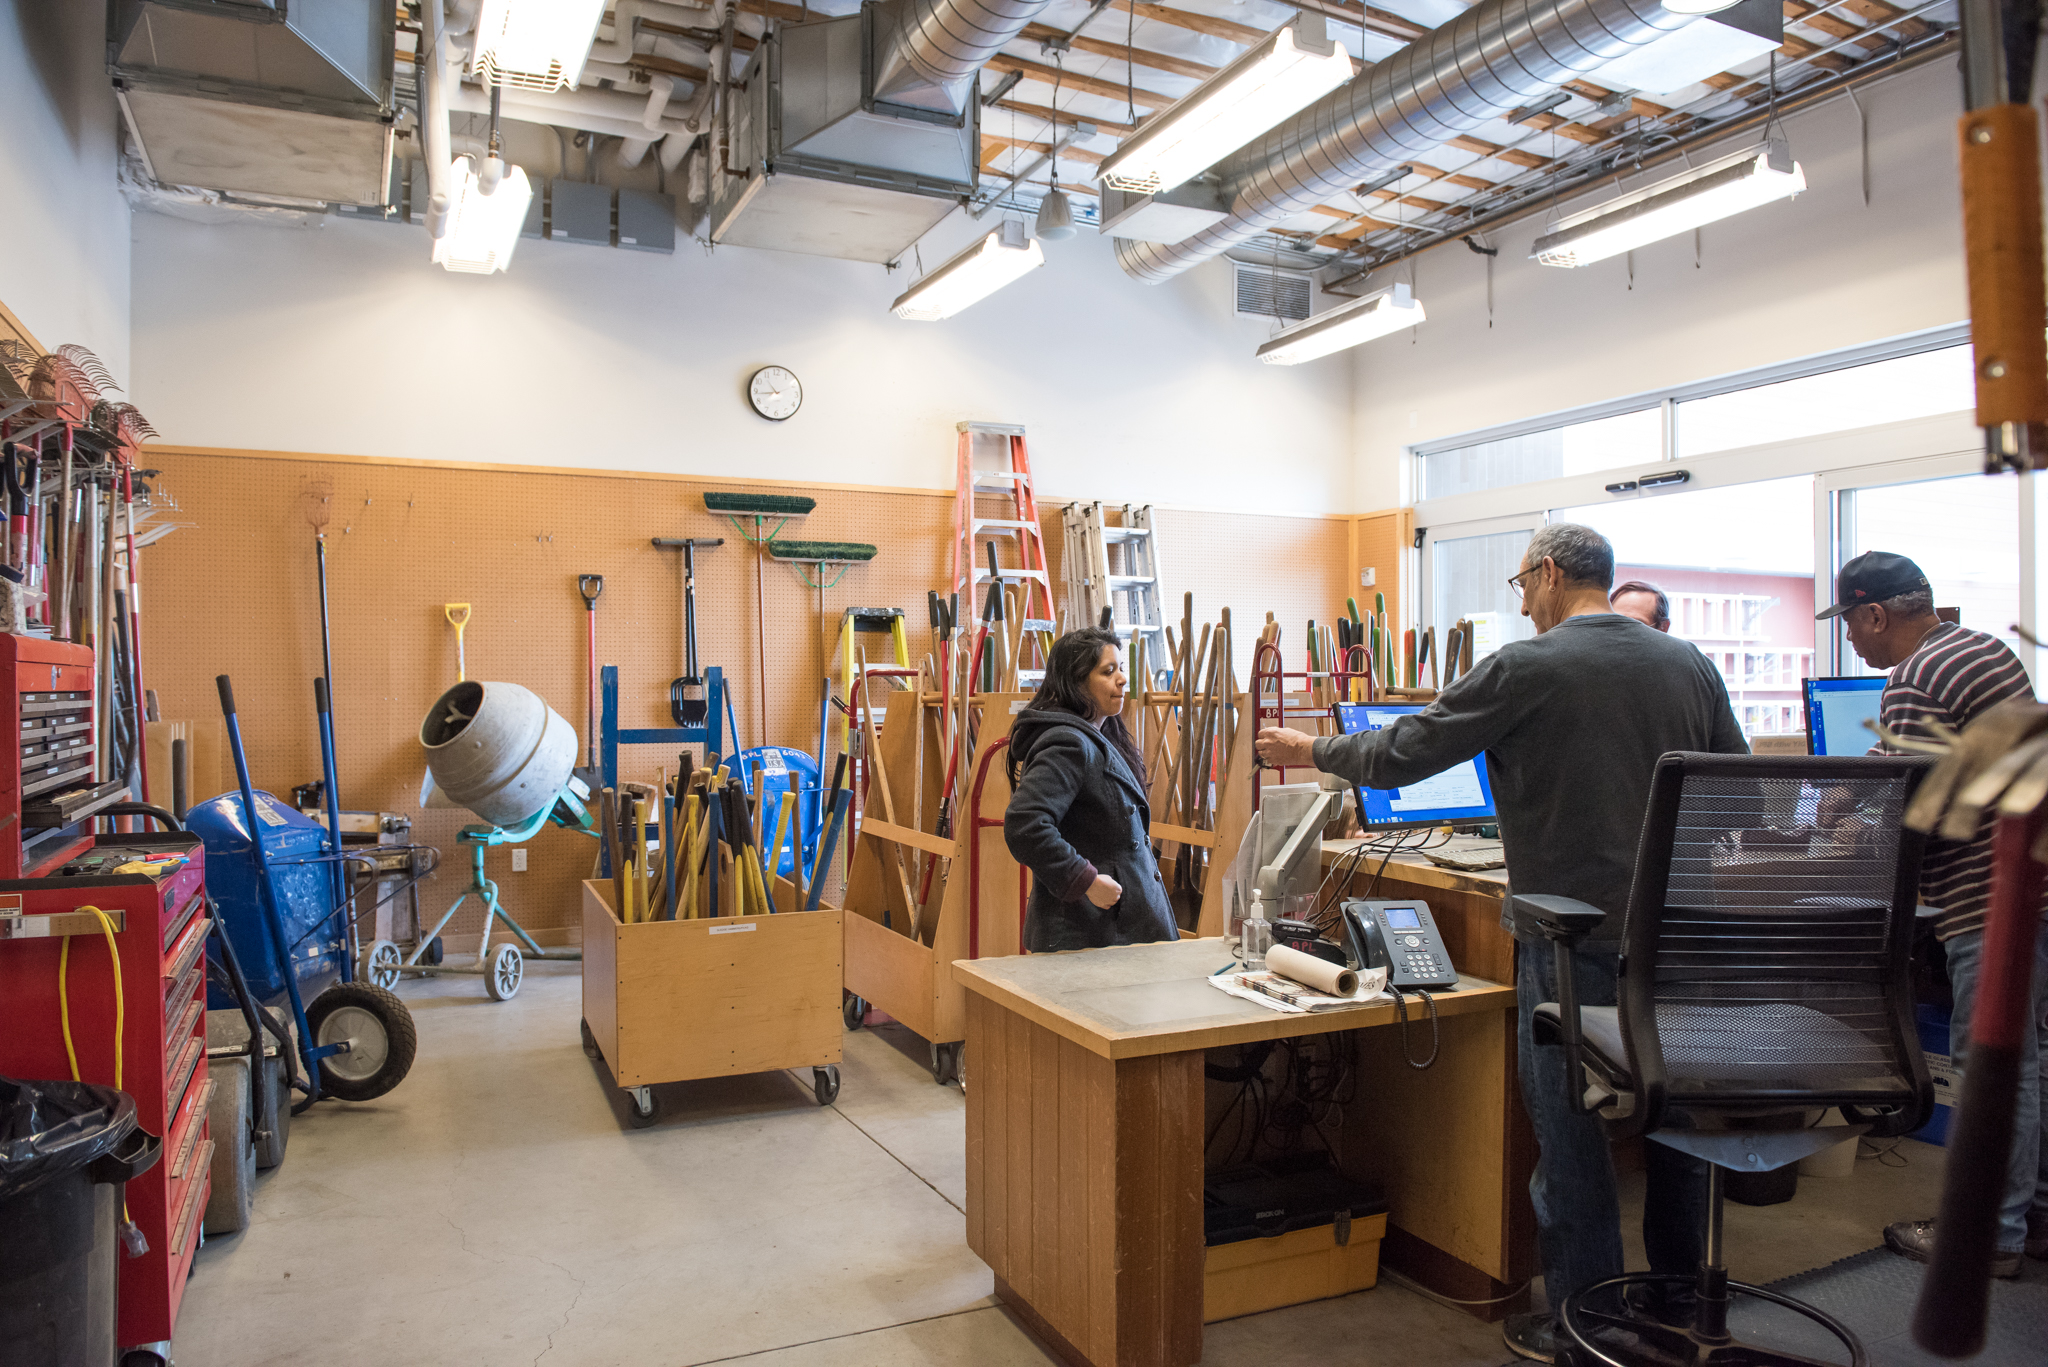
[(1402, 938)]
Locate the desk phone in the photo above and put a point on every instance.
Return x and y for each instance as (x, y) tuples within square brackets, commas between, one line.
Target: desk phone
[(1401, 937)]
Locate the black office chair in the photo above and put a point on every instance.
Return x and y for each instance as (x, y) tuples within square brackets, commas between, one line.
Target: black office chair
[(1764, 978)]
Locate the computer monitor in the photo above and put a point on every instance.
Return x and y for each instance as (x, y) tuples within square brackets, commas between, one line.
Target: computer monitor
[(1463, 792), (1836, 710)]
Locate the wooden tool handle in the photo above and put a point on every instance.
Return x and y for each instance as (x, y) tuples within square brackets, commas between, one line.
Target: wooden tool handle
[(2002, 251)]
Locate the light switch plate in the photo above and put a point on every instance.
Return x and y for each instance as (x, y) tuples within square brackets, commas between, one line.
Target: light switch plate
[(518, 859), (1365, 578)]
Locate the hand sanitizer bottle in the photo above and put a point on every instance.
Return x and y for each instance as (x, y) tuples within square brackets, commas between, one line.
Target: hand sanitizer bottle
[(1257, 937)]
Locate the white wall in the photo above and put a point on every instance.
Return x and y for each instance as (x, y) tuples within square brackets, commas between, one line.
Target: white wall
[(344, 339), (1788, 280), (64, 235)]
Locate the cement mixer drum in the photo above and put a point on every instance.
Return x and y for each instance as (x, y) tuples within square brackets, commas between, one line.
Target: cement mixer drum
[(498, 750)]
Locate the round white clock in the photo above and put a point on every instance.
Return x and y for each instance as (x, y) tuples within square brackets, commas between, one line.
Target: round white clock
[(775, 393)]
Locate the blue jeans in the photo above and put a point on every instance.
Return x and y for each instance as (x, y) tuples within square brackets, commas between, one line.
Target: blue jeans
[(2026, 1174), (1578, 1216)]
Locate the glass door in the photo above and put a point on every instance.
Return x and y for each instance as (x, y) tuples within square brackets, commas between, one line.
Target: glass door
[(1465, 571), (1962, 527)]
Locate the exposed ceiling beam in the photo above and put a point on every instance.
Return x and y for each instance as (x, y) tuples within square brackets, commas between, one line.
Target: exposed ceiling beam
[(1156, 61), (1364, 16), (1512, 155), (1194, 23), (1073, 80), (1026, 145), (1065, 116)]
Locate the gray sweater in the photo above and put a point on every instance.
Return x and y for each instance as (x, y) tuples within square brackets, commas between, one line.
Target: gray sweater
[(1572, 723)]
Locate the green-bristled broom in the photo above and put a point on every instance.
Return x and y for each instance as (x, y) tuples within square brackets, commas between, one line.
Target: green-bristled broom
[(759, 507)]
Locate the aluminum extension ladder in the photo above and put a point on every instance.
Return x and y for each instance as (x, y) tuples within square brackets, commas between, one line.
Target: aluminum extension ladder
[(1005, 477), (1114, 567)]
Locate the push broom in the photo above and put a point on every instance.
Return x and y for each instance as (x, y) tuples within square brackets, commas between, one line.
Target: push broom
[(759, 507)]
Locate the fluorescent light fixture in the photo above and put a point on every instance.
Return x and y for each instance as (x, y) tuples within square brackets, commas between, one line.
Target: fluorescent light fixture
[(1703, 195), (1376, 315), (990, 263), (483, 228), (1294, 66), (534, 44)]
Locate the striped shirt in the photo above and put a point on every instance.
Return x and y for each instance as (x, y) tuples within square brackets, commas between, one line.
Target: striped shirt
[(1953, 676)]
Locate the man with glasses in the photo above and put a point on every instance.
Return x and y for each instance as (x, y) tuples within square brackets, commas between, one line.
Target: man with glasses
[(1572, 723), (1944, 676)]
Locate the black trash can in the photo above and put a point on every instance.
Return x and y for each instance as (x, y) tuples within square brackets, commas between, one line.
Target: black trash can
[(66, 1148)]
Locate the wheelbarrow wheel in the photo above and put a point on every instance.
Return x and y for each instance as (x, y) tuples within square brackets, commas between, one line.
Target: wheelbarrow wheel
[(381, 1036), (503, 973), (276, 1119), (234, 1152)]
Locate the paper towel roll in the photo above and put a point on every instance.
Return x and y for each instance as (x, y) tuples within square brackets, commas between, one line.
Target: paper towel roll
[(1310, 971)]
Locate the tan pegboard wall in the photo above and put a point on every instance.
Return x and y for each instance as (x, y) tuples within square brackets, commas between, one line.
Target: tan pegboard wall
[(236, 592)]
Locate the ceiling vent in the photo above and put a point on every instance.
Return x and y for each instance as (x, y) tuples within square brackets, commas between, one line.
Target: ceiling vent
[(1263, 292)]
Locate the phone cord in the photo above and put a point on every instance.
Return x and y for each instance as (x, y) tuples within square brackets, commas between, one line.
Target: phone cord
[(1435, 1031)]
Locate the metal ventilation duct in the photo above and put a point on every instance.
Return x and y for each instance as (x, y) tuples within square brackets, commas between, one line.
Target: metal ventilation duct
[(865, 131), (289, 101), (1494, 58)]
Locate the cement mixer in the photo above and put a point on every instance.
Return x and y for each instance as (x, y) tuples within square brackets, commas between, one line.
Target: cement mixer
[(500, 751)]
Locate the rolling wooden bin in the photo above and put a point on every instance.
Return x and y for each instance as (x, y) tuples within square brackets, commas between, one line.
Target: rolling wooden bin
[(673, 1001), (886, 967)]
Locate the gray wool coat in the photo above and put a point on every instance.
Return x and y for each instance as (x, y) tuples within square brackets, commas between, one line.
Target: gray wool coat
[(1078, 811)]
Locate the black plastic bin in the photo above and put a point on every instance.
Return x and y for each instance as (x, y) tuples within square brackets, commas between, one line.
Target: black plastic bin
[(66, 1148)]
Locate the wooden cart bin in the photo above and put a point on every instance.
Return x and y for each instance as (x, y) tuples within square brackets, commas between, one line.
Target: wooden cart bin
[(672, 1001)]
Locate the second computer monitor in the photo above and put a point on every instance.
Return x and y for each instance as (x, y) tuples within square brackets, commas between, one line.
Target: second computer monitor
[(1836, 710), (1463, 792)]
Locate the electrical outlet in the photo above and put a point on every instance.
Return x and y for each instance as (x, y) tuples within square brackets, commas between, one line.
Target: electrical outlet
[(518, 859), (1365, 578)]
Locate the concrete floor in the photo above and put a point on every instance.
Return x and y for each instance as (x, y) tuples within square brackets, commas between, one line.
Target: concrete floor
[(496, 1208)]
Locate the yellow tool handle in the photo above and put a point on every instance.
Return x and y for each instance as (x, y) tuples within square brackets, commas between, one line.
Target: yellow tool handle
[(2002, 251)]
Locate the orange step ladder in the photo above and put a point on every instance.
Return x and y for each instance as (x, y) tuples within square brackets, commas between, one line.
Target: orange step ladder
[(995, 466)]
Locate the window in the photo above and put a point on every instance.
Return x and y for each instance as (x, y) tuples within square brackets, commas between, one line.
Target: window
[(1964, 532), (1915, 386), (1579, 448), (1469, 578)]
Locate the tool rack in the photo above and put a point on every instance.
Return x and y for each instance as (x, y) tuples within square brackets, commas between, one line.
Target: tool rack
[(674, 1001)]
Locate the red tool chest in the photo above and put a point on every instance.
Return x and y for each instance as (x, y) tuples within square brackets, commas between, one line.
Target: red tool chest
[(161, 929), (47, 782)]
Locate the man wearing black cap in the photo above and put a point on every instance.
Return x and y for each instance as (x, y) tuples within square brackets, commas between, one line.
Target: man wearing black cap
[(1945, 674)]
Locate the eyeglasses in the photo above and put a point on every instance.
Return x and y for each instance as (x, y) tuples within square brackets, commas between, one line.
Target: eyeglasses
[(1516, 583)]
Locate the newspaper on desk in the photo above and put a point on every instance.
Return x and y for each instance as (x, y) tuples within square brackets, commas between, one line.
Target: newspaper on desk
[(1276, 992)]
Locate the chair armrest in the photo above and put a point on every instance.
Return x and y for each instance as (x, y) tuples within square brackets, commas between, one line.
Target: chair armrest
[(1565, 920)]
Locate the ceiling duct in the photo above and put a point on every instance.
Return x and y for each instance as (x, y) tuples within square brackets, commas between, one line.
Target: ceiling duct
[(1494, 58), (259, 96), (851, 137)]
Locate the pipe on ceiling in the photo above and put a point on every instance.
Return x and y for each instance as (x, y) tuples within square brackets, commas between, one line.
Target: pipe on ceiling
[(1489, 61), (626, 15), (928, 52)]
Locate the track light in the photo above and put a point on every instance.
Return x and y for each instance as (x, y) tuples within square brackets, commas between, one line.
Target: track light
[(534, 44), (1708, 193), (1294, 66), (483, 227), (986, 266), (1376, 315)]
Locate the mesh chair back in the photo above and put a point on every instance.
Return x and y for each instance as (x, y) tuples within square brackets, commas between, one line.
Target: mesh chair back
[(1768, 935)]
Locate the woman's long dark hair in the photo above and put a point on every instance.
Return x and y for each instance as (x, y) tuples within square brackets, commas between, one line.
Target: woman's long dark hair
[(1074, 657)]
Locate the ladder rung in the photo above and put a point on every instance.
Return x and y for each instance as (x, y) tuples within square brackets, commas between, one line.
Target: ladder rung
[(1130, 581), (981, 522), (994, 479), (1011, 576), (989, 429), (1114, 535)]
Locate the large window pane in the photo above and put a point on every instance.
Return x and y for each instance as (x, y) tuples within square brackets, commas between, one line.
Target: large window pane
[(1737, 566), (1860, 396), (1964, 532), (1580, 448), (1469, 578)]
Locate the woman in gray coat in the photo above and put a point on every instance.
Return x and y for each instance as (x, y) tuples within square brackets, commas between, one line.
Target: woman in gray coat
[(1078, 817)]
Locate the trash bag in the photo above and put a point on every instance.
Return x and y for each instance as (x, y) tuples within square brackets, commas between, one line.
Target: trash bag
[(48, 1129)]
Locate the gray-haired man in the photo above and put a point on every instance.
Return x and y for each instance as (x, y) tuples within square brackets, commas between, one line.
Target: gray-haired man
[(1572, 723)]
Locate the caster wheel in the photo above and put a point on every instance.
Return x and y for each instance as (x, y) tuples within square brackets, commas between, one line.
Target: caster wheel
[(379, 964), (589, 1041), (642, 1109), (825, 1082), (946, 1062), (506, 969), (855, 1012)]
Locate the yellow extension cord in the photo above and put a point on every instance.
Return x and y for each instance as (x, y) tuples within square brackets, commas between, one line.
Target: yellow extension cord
[(120, 1010)]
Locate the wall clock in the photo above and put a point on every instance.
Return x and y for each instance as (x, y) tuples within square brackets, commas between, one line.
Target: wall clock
[(775, 393)]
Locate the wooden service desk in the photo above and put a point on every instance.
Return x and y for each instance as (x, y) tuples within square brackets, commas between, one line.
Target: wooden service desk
[(1085, 1113)]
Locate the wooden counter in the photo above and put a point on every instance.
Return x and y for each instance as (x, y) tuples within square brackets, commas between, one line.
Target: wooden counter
[(1085, 1112)]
